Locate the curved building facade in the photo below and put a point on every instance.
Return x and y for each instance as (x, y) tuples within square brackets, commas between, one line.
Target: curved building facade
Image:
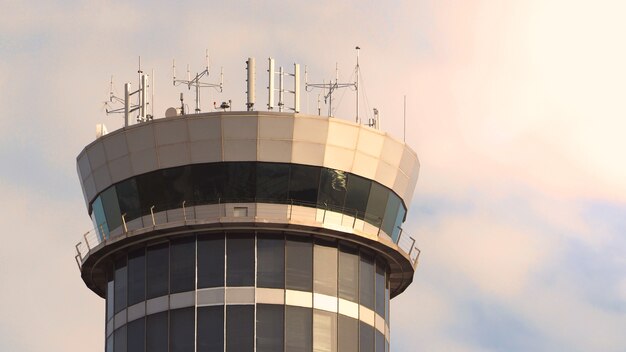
[(247, 231)]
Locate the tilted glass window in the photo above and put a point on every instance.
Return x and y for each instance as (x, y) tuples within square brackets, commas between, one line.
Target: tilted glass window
[(156, 332), (270, 325), (298, 329), (399, 220), (325, 268), (100, 220), (380, 288), (111, 208), (270, 260), (240, 183), (272, 182), (357, 194), (240, 260), (348, 334), (333, 188), (183, 264), (240, 328), (324, 331), (157, 270), (128, 197), (304, 182), (136, 276), (349, 273), (299, 264), (391, 214), (208, 182), (137, 335), (121, 284), (376, 204), (366, 281), (182, 330), (211, 260), (210, 329)]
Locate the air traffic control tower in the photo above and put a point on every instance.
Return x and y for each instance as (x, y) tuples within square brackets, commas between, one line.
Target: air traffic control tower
[(247, 231)]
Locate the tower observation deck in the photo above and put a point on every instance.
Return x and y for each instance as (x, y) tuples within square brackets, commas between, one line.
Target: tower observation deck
[(247, 231)]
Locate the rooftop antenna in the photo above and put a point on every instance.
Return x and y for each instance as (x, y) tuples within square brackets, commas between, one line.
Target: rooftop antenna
[(281, 86), (128, 107), (196, 81), (251, 69), (332, 86), (375, 121)]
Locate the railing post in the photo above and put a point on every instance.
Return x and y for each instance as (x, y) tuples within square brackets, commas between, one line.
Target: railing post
[(152, 214), (124, 223), (412, 246), (400, 235), (78, 251), (184, 212), (77, 261), (87, 242)]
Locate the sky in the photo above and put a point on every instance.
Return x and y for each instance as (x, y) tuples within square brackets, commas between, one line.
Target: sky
[(515, 109)]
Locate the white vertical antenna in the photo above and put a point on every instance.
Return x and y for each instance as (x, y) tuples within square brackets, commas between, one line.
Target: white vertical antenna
[(356, 83), (281, 88), (196, 81), (152, 98), (296, 87), (270, 93), (251, 68), (404, 129), (127, 107)]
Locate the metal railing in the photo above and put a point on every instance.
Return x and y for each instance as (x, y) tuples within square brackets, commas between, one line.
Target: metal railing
[(263, 209)]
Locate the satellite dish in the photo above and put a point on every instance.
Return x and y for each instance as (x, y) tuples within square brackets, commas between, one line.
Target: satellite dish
[(171, 112)]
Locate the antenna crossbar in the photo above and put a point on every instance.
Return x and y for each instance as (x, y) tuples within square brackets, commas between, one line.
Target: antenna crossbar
[(196, 82)]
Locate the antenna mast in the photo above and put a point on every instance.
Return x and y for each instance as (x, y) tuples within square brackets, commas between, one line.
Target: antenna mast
[(195, 82), (128, 108), (281, 86), (332, 86)]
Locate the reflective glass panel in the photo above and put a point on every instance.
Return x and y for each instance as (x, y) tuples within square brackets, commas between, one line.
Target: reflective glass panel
[(387, 298), (100, 219), (239, 328), (156, 332), (120, 339), (120, 284), (110, 297), (299, 264), (348, 334), (211, 260), (325, 268), (356, 196), (398, 224), (208, 182), (272, 182), (333, 187), (303, 183), (137, 335), (182, 330), (366, 281), (240, 182), (380, 341), (157, 271), (240, 260), (177, 182), (270, 261), (324, 331), (349, 273), (366, 337), (136, 276), (391, 213), (111, 208), (376, 204), (270, 327), (298, 329), (210, 329), (109, 344), (380, 288), (128, 197), (183, 265)]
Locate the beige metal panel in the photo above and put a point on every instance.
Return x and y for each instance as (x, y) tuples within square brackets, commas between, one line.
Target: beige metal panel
[(205, 128), (392, 152), (102, 178), (173, 155), (84, 168), (275, 151), (408, 162), (211, 296), (308, 153), (411, 186), (310, 129), (366, 315), (325, 302), (276, 127), (380, 324), (136, 311), (239, 150), (400, 186), (348, 308), (270, 295), (140, 137), (299, 298), (144, 161), (96, 155), (120, 169), (365, 165), (182, 300), (239, 127), (342, 134), (170, 131), (115, 145), (240, 295), (135, 224), (157, 305), (338, 158), (386, 174), (90, 188), (370, 142), (110, 327), (120, 318), (207, 151)]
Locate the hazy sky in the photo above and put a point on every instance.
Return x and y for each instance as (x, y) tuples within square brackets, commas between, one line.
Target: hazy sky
[(515, 108)]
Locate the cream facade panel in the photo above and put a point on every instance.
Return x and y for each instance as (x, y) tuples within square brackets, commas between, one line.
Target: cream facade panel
[(140, 137), (144, 161), (96, 155), (136, 311), (115, 145), (310, 129), (207, 151), (173, 155), (120, 318), (370, 142), (401, 185), (342, 134), (308, 153), (408, 162), (102, 178), (211, 296), (275, 151), (392, 152), (170, 131), (338, 158), (182, 300), (270, 295), (240, 295), (204, 128), (299, 298), (120, 169), (157, 305), (239, 150), (365, 165), (386, 174), (239, 127), (276, 127), (367, 315)]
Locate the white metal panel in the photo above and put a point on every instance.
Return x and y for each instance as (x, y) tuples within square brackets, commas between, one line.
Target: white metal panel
[(144, 161), (239, 295), (270, 295), (240, 150), (276, 127), (342, 134), (325, 302), (299, 298), (392, 151), (96, 155), (136, 311), (380, 324), (140, 137), (120, 318), (182, 300), (275, 151), (102, 178), (386, 174), (115, 145), (239, 127), (170, 131), (365, 165), (90, 188), (401, 186), (173, 155), (207, 151), (366, 315), (120, 169), (204, 128), (310, 129), (370, 142), (84, 169), (348, 308), (408, 162), (308, 153), (211, 296), (157, 305), (338, 158)]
